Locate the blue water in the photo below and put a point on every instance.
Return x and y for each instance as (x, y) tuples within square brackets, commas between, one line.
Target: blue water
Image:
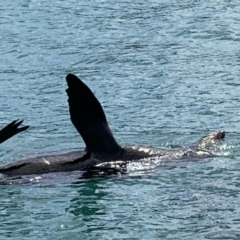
[(166, 73)]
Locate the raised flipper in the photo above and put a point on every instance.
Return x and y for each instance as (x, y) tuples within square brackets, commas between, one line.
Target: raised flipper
[(89, 119), (11, 129)]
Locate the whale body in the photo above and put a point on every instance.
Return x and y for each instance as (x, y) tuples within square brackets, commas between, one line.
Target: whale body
[(102, 150)]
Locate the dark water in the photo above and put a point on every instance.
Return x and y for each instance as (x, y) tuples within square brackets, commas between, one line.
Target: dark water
[(166, 72)]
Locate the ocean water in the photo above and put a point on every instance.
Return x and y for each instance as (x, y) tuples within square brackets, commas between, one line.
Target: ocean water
[(166, 73)]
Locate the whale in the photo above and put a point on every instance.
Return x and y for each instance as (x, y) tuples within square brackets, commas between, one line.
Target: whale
[(11, 129), (102, 152)]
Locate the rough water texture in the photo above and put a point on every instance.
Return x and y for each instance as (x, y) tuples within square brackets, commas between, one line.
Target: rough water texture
[(166, 73)]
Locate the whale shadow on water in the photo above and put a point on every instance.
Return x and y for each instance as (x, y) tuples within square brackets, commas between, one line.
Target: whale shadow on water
[(103, 154)]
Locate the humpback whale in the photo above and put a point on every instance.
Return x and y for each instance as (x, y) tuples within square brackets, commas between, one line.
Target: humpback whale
[(102, 150), (11, 129)]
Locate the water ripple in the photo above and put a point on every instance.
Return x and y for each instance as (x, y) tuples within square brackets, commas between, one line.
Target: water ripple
[(166, 73)]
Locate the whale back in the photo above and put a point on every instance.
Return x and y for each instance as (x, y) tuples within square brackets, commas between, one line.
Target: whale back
[(89, 119)]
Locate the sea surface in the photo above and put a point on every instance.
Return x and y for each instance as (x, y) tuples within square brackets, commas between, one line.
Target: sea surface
[(166, 72)]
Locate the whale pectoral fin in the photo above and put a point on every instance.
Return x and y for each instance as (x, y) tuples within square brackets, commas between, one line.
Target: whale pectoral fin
[(11, 129), (89, 119)]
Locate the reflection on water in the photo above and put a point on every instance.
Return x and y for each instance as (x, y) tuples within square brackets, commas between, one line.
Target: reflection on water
[(88, 201)]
